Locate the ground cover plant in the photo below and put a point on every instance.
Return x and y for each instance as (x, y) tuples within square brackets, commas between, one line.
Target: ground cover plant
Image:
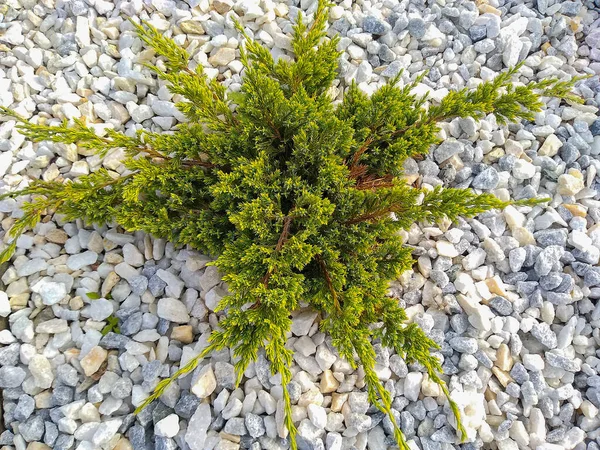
[(300, 200)]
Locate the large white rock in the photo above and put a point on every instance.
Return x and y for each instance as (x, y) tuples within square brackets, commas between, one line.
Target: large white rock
[(550, 146), (164, 108), (141, 113), (167, 427), (471, 405), (40, 368), (523, 170), (132, 255), (100, 309), (302, 322), (204, 382), (195, 436), (4, 304), (79, 261), (222, 57), (5, 157), (82, 31), (32, 266), (105, 431), (13, 35), (537, 428), (480, 316), (210, 278), (172, 310), (174, 284), (50, 291), (412, 386), (213, 297)]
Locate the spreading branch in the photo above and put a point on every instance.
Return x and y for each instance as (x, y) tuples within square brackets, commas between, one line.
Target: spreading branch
[(327, 277)]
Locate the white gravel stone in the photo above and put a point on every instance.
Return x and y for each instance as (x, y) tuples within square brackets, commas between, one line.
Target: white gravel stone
[(550, 146), (32, 266), (445, 248), (81, 260), (50, 291), (222, 57), (317, 415), (213, 297), (474, 259), (40, 368), (167, 427), (174, 284), (204, 382), (139, 113), (302, 322), (412, 385), (172, 310), (13, 34), (4, 304), (196, 434), (523, 170), (82, 31)]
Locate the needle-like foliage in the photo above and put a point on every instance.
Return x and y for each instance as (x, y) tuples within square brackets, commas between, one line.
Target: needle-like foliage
[(299, 200)]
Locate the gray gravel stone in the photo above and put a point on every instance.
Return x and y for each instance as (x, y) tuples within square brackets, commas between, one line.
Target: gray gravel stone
[(24, 408), (32, 429), (254, 425), (502, 306), (464, 345), (416, 27), (543, 333), (488, 179), (372, 24), (11, 377), (447, 149), (235, 426), (187, 405)]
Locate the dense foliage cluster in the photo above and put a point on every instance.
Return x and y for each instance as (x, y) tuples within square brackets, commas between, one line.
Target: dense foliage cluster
[(300, 200)]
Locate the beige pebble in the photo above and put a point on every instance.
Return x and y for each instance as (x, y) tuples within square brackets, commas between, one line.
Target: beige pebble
[(43, 400), (18, 301), (523, 236), (502, 376), (328, 382), (222, 6), (576, 209), (337, 401), (222, 57), (496, 286), (504, 359), (550, 146), (76, 303), (57, 236), (430, 388), (191, 27), (96, 244), (109, 283), (113, 258), (93, 360), (183, 334), (570, 183), (123, 444), (38, 446), (489, 9)]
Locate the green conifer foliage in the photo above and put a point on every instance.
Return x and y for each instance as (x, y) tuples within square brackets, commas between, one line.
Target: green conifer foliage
[(299, 200)]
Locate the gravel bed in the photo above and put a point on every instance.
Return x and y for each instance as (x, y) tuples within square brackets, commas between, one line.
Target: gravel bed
[(511, 297)]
